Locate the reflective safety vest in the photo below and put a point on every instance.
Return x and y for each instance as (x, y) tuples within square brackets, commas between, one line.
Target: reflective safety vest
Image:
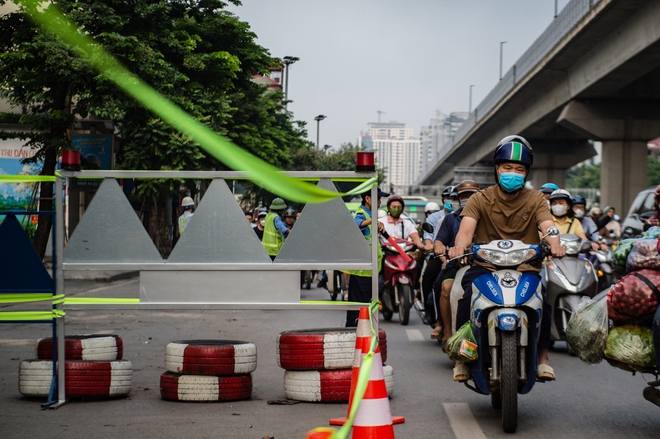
[(273, 239), (367, 273), (182, 220)]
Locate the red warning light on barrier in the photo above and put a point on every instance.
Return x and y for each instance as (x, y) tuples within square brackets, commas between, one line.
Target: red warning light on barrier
[(365, 162)]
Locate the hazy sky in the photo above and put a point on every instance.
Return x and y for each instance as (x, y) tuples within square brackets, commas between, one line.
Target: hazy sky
[(405, 58)]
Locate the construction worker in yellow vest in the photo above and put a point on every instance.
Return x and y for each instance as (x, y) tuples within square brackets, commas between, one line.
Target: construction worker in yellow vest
[(188, 205), (275, 230), (359, 283)]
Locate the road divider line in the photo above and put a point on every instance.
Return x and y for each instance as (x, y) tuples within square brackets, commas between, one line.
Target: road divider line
[(414, 335), (462, 421)]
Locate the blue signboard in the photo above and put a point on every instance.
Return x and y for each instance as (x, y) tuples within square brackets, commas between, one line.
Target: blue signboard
[(95, 150)]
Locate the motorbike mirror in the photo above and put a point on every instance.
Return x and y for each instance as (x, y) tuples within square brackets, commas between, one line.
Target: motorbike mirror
[(552, 231), (428, 228)]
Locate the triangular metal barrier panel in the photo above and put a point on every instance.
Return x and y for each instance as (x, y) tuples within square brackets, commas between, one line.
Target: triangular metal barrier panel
[(110, 231), (325, 232), (219, 232), (21, 269)]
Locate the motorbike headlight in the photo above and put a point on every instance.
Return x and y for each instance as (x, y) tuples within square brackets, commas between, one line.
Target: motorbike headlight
[(519, 256), (572, 247), (510, 258), (492, 256)]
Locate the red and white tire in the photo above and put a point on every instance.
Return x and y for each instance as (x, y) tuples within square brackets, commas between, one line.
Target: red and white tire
[(82, 378), (211, 357), (84, 347), (205, 388), (325, 385), (320, 349)]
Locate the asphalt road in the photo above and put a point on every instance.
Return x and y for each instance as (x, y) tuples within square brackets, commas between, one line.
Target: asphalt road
[(585, 402)]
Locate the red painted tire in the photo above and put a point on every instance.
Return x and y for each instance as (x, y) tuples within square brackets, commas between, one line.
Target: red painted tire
[(325, 385), (205, 388), (320, 349), (95, 347), (211, 357), (83, 378)]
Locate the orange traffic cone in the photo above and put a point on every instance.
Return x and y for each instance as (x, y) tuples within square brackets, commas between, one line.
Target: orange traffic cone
[(362, 345), (320, 433), (374, 418)]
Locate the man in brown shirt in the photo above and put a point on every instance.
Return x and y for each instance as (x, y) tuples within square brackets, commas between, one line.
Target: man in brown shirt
[(506, 211)]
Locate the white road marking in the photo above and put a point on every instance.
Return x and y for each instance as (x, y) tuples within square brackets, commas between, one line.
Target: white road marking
[(462, 421), (414, 335)]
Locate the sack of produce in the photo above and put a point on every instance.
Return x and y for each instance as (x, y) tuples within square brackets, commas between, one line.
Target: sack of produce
[(631, 345), (644, 254), (652, 233), (635, 295), (620, 254), (462, 346), (586, 332)]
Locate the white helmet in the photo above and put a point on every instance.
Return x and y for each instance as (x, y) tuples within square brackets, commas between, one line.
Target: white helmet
[(187, 201), (381, 213), (432, 207)]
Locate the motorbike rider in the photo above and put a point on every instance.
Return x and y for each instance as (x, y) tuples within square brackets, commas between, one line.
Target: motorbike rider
[(588, 225), (188, 205), (435, 218), (561, 204), (275, 230), (359, 282), (398, 225), (259, 225), (430, 208), (506, 211), (443, 240), (289, 217)]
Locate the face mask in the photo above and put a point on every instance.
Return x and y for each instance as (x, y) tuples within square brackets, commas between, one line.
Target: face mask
[(463, 202), (263, 223), (579, 213), (511, 181), (559, 210), (449, 206), (395, 212), (455, 205)]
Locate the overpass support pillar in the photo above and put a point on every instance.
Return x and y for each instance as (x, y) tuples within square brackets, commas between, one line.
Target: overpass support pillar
[(552, 157), (624, 128)]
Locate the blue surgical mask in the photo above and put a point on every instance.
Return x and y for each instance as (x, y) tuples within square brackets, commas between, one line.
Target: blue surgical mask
[(511, 181), (448, 206)]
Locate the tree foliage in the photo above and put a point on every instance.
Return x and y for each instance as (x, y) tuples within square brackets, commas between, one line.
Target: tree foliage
[(589, 176)]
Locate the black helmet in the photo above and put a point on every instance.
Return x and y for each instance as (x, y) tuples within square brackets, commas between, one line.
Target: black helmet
[(395, 198), (514, 149), (290, 212), (447, 192), (579, 199)]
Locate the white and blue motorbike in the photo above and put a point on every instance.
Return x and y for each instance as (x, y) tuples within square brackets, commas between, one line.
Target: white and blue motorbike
[(506, 312)]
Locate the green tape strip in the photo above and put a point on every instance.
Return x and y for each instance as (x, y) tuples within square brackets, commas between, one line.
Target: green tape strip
[(98, 300), (31, 315), (222, 149), (10, 178), (31, 297)]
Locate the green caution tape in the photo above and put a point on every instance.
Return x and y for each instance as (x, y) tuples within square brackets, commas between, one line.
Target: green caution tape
[(31, 315), (31, 297), (9, 178), (266, 175), (98, 300)]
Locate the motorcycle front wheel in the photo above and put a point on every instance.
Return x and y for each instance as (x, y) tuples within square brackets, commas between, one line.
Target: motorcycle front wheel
[(509, 381), (404, 293)]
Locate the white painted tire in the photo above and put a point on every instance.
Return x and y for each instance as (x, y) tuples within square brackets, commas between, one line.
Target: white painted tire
[(205, 388), (94, 347), (320, 349), (211, 357), (83, 378), (326, 385)]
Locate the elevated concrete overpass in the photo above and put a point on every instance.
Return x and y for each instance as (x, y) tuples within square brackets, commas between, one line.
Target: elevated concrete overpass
[(594, 74)]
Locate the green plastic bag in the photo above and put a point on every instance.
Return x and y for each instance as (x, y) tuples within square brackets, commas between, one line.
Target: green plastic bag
[(586, 332), (620, 254), (462, 346), (631, 345)]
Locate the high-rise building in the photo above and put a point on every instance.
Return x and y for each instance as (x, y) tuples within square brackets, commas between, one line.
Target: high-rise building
[(396, 150), (438, 133)]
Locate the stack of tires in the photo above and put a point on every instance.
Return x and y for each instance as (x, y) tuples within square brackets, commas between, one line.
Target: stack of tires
[(93, 368), (208, 370), (318, 363)]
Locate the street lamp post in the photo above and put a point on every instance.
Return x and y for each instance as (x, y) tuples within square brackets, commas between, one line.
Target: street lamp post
[(501, 45), (470, 112), (318, 120), (287, 60)]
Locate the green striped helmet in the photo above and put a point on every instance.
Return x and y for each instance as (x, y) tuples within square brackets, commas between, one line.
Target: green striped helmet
[(514, 149)]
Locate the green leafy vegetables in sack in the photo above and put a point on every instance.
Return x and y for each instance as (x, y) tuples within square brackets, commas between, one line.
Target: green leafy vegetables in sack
[(462, 346), (586, 332), (632, 345), (620, 254)]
